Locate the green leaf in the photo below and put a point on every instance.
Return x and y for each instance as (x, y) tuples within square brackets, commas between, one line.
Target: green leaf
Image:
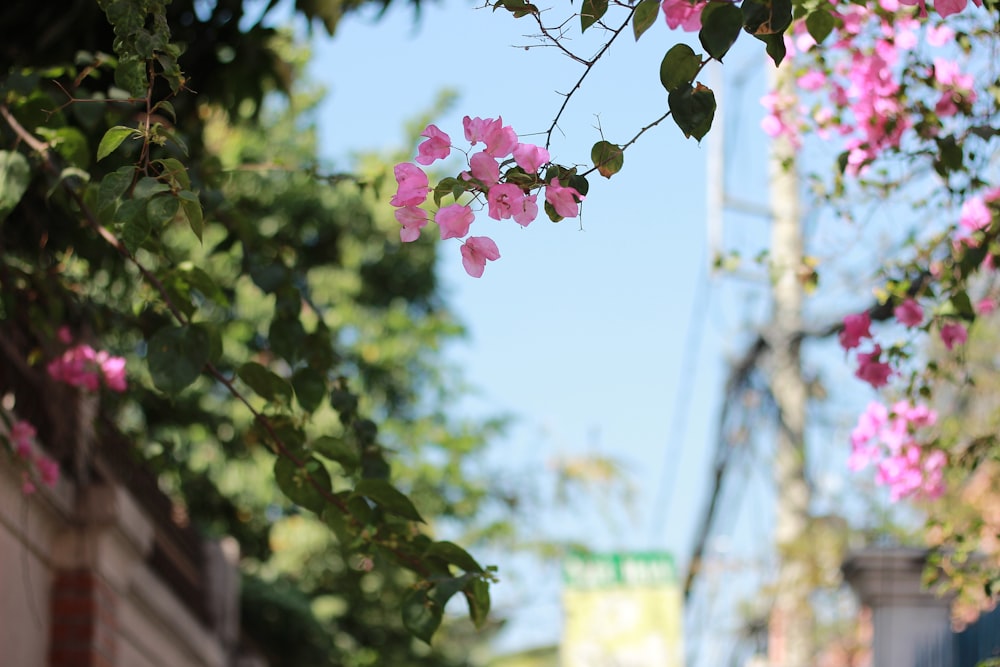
[(518, 8), (310, 388), (15, 174), (421, 615), (693, 110), (147, 187), (112, 189), (388, 497), (191, 206), (339, 450), (285, 337), (607, 157), (337, 521), (113, 138), (963, 305), (266, 383), (176, 356), (454, 555), (644, 17), (477, 594), (775, 46), (820, 24), (300, 484), (162, 209), (70, 143), (721, 23), (766, 17), (592, 12), (679, 67), (175, 172), (135, 227)]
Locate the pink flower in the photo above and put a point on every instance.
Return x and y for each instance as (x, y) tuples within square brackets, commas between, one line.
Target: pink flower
[(564, 200), (64, 335), (113, 370), (953, 334), (413, 220), (500, 139), (909, 313), (48, 470), (437, 146), (413, 188), (683, 14), (475, 252), (872, 370), (22, 438), (528, 212), (454, 221), (985, 306), (505, 200), (948, 7), (475, 128), (485, 167), (530, 157), (939, 35), (812, 80), (975, 214), (77, 367), (855, 328)]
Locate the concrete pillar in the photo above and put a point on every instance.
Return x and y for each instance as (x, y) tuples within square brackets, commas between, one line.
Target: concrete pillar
[(907, 618)]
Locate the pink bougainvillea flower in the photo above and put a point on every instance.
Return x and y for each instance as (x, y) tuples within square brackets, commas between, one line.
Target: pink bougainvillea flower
[(413, 187), (948, 7), (565, 200), (939, 35), (855, 328), (454, 221), (437, 146), (113, 370), (871, 369), (985, 306), (975, 215), (812, 80), (412, 219), (505, 200), (475, 128), (476, 251), (909, 313), (500, 139), (530, 157), (528, 212), (22, 438), (485, 167), (953, 334), (683, 14), (77, 367), (48, 470)]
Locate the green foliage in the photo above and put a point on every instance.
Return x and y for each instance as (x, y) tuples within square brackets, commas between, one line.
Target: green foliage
[(267, 320), (679, 67), (608, 158), (721, 23), (693, 108), (645, 16)]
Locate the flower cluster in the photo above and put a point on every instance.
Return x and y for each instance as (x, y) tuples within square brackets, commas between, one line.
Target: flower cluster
[(865, 83), (83, 366), (507, 195), (35, 465), (888, 439)]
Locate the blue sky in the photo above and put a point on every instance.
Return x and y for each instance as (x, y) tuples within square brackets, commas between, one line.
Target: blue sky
[(607, 336), (583, 335)]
